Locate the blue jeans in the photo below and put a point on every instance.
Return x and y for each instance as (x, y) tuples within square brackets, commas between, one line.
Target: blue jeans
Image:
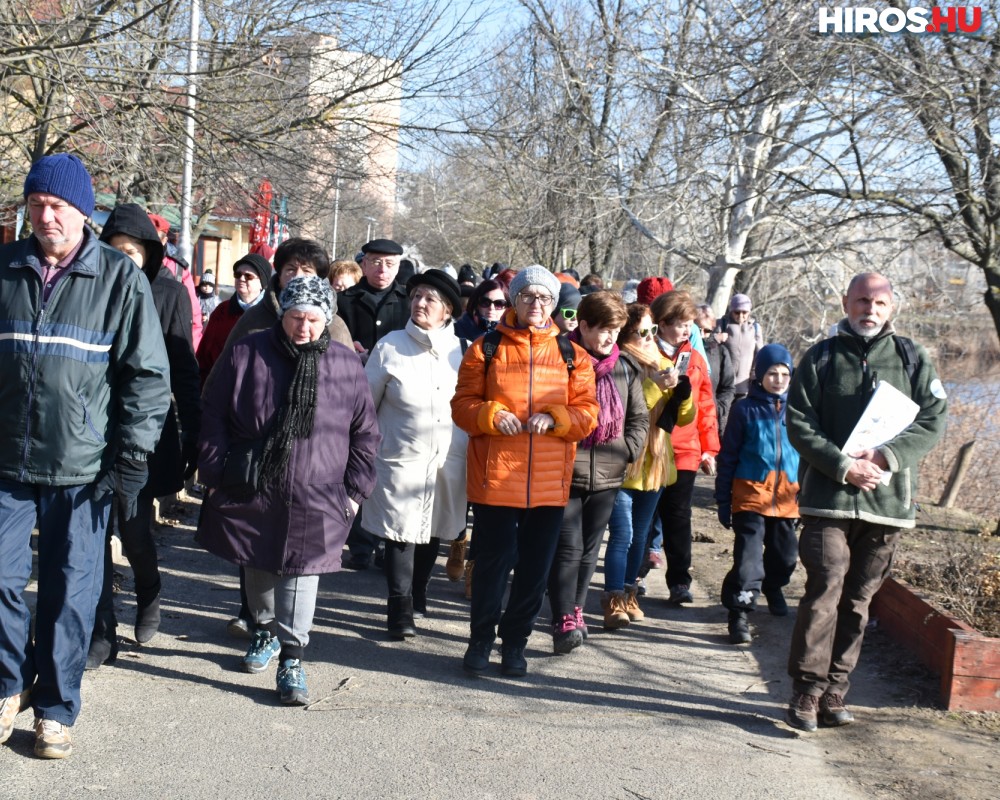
[(628, 528), (71, 530)]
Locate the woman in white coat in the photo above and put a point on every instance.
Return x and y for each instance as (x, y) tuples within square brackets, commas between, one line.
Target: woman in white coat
[(419, 497)]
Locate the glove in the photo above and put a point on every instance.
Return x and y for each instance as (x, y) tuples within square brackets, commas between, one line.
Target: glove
[(126, 479), (682, 391), (189, 457), (725, 515)]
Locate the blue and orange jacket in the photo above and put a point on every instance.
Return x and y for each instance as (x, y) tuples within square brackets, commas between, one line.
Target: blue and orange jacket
[(757, 460)]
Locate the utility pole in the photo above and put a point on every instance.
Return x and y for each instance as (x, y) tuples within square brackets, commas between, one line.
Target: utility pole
[(184, 243)]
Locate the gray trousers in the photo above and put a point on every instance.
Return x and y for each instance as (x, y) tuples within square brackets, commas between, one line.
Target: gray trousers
[(846, 562), (283, 604)]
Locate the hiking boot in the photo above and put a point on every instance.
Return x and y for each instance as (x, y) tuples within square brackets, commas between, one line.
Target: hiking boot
[(454, 567), (52, 739), (239, 628), (832, 711), (615, 615), (468, 578), (776, 603), (291, 680), (263, 650), (101, 652), (739, 627), (10, 707), (581, 623), (565, 635), (512, 661), (801, 712), (680, 594), (654, 560), (632, 604), (147, 620), (477, 655)]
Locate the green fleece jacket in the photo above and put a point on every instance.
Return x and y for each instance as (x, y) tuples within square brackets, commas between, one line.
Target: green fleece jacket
[(823, 410)]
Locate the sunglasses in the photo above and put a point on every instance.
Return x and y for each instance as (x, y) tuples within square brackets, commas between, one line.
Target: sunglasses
[(645, 333), (245, 276), (497, 304), (568, 313)]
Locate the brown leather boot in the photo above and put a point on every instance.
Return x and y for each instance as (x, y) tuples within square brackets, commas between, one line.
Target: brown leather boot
[(468, 578), (615, 615), (455, 565), (632, 604)]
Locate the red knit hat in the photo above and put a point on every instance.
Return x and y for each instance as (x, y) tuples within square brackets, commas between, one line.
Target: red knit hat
[(650, 288)]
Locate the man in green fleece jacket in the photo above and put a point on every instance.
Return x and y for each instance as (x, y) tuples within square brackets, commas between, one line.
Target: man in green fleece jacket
[(851, 515)]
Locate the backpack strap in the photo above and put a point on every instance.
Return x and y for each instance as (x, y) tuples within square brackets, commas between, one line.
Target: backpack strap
[(567, 353), (908, 352), (491, 341)]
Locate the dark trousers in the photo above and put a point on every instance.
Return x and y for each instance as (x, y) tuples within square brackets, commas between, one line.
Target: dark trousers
[(519, 539), (580, 535), (360, 542), (72, 524), (765, 551), (408, 567), (674, 510), (846, 562), (137, 541)]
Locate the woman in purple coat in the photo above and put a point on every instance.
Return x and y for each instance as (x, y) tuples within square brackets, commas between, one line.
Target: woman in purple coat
[(288, 443)]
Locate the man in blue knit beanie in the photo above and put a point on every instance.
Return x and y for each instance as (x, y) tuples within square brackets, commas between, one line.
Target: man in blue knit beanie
[(86, 391)]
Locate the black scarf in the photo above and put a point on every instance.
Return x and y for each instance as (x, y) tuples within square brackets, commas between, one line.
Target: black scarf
[(294, 419)]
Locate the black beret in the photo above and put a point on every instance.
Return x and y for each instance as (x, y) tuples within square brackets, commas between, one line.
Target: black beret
[(446, 286), (385, 246)]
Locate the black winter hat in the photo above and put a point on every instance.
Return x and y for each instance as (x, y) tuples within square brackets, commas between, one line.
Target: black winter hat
[(132, 220), (445, 285), (385, 246), (257, 264)]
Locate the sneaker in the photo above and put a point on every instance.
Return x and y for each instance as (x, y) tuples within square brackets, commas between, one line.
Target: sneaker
[(776, 603), (565, 635), (801, 712), (263, 650), (10, 707), (832, 711), (739, 628), (640, 587), (239, 628), (291, 682), (454, 567), (632, 604), (52, 739), (512, 661), (654, 560), (581, 623), (680, 594), (477, 655), (615, 615)]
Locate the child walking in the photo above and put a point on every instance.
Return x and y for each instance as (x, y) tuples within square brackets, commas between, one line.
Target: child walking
[(756, 490)]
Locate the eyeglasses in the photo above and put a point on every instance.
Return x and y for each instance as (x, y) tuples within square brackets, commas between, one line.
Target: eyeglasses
[(383, 262), (645, 333), (499, 305), (531, 299), (568, 313), (245, 276)]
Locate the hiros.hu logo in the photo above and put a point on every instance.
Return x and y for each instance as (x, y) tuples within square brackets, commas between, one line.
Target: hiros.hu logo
[(937, 19)]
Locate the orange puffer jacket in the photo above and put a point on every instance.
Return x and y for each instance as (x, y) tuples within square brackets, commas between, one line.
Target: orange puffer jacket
[(527, 375)]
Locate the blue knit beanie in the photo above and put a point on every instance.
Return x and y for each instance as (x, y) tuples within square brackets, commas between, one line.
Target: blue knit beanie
[(64, 176), (768, 356)]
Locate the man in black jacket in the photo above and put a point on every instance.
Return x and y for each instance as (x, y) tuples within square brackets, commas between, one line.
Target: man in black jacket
[(378, 303)]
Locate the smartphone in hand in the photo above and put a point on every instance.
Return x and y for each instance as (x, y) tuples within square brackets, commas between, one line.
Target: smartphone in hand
[(682, 362)]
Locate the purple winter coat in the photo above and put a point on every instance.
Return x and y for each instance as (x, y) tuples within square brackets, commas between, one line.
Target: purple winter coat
[(297, 526)]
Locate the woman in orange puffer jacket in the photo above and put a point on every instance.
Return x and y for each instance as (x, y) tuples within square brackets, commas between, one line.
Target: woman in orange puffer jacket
[(524, 410)]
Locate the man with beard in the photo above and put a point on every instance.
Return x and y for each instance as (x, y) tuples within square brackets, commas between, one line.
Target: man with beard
[(853, 505)]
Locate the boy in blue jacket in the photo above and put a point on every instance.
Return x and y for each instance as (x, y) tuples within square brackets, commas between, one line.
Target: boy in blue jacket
[(756, 489)]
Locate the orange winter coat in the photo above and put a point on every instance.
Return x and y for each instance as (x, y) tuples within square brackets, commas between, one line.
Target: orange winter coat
[(527, 375)]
